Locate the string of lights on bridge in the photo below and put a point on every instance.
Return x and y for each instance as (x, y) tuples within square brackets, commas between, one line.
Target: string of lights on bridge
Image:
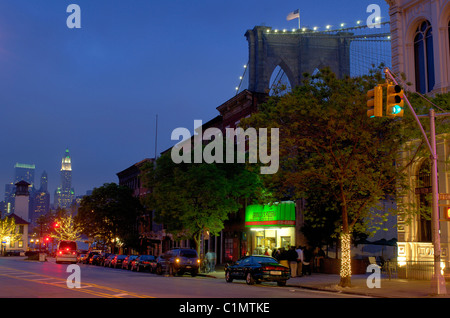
[(343, 27), (329, 28)]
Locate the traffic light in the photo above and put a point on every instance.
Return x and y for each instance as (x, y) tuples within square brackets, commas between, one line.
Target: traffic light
[(394, 101), (375, 102)]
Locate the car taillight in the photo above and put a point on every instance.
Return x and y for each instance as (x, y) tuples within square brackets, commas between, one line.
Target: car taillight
[(73, 253), (268, 268), (60, 252)]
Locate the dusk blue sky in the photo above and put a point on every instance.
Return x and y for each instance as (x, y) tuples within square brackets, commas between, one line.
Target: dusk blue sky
[(98, 89)]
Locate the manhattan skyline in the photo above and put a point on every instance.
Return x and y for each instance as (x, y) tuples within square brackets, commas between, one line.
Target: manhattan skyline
[(97, 90)]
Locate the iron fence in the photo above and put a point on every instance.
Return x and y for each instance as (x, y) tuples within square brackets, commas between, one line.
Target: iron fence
[(419, 270)]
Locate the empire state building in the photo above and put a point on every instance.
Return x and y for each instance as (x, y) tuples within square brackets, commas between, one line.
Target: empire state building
[(64, 194)]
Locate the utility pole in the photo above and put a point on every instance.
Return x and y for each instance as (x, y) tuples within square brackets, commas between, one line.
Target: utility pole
[(438, 281)]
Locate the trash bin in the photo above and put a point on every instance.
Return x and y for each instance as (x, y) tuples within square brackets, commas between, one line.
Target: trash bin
[(42, 257)]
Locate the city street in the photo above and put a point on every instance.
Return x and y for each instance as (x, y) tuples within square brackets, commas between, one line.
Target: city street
[(32, 279)]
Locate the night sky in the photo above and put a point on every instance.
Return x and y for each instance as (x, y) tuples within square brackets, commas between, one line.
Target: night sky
[(97, 90)]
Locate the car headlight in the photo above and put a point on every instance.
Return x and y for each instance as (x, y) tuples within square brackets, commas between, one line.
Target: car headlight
[(177, 260)]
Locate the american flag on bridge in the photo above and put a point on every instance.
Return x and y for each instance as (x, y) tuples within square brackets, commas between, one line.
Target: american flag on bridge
[(293, 15)]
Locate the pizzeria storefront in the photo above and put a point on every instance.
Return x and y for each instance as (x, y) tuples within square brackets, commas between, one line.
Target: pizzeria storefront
[(271, 226)]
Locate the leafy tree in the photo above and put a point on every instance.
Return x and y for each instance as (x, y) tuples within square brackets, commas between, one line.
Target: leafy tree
[(329, 146), (109, 214), (43, 224), (66, 229), (192, 198), (9, 230)]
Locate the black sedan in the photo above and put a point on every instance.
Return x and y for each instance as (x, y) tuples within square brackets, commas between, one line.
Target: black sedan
[(257, 269)]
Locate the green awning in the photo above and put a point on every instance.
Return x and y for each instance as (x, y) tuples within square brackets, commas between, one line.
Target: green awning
[(270, 215)]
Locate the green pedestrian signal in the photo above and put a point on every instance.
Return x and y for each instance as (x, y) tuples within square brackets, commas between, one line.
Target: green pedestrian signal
[(394, 101)]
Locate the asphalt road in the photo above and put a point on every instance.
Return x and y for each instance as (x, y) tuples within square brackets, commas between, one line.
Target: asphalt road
[(31, 279)]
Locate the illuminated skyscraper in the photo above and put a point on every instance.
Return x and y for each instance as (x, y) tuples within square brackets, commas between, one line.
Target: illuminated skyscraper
[(24, 172), (65, 194), (40, 200)]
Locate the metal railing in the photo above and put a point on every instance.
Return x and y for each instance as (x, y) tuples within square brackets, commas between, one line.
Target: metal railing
[(419, 270)]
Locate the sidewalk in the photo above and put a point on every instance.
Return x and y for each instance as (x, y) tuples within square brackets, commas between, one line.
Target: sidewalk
[(394, 288)]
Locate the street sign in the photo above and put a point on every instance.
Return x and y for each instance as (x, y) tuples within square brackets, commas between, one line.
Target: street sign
[(444, 196)]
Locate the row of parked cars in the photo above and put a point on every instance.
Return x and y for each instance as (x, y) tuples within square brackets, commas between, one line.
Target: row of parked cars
[(174, 262)]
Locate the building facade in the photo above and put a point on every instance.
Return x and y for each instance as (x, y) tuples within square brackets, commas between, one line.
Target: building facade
[(420, 33), (22, 200), (21, 245), (152, 237), (420, 43)]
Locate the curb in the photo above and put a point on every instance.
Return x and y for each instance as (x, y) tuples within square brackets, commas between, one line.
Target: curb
[(331, 289)]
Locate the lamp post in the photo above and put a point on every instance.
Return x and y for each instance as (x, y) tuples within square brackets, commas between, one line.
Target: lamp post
[(438, 284)]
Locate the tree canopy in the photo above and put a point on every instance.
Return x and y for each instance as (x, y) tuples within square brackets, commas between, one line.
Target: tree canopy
[(329, 146), (110, 215), (9, 230), (191, 199)]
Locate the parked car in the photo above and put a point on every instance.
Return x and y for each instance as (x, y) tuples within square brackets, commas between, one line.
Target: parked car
[(126, 264), (13, 252), (81, 257), (256, 269), (116, 262), (178, 261), (89, 256), (95, 259), (103, 257), (144, 263), (107, 261)]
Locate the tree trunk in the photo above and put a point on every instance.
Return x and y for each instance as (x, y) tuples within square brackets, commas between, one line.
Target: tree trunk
[(346, 271), (197, 240)]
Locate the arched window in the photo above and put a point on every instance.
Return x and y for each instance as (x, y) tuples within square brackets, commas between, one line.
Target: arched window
[(423, 58)]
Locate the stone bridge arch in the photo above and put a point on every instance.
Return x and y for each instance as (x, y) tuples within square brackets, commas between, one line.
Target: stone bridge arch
[(296, 53)]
